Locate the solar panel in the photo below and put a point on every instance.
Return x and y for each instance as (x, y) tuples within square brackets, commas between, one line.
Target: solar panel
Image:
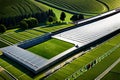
[(26, 58)]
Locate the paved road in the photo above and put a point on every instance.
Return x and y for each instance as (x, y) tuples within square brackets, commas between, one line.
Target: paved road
[(107, 70)]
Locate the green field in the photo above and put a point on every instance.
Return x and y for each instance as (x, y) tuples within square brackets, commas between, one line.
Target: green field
[(50, 48), (19, 36), (15, 35), (78, 6), (58, 13), (114, 74), (15, 69), (19, 7), (113, 4), (53, 28), (2, 44), (85, 59), (100, 67), (4, 75)]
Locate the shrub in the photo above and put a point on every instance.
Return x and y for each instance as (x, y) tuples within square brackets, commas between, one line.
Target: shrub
[(2, 28), (23, 25)]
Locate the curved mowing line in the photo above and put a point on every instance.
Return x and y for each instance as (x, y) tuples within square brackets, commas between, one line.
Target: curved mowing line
[(66, 10), (22, 8), (104, 4), (18, 6)]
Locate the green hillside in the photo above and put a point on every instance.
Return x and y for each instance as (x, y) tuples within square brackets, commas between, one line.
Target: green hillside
[(10, 8), (112, 4), (87, 7), (78, 6)]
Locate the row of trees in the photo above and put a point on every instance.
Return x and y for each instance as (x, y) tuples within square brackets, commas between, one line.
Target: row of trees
[(75, 17), (30, 21)]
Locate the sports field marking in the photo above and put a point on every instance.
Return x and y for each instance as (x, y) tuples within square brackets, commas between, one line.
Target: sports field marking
[(5, 41), (107, 70)]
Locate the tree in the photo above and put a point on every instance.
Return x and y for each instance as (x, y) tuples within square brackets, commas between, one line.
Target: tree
[(51, 13), (2, 28), (76, 17), (81, 16), (32, 22), (62, 16), (50, 19), (23, 25)]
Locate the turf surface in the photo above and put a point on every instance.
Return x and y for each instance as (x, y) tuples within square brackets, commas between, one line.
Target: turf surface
[(100, 67), (50, 48), (114, 74), (15, 69), (52, 28)]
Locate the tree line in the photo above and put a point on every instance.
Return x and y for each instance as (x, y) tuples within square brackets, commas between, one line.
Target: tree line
[(30, 21)]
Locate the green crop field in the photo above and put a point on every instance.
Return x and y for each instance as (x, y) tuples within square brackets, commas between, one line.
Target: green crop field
[(114, 74), (85, 59), (19, 7), (112, 4), (78, 6), (50, 48)]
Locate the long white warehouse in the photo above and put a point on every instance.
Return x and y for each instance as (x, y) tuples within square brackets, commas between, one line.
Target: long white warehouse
[(89, 33)]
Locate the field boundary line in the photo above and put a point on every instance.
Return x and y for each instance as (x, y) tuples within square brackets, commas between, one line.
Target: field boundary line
[(108, 69)]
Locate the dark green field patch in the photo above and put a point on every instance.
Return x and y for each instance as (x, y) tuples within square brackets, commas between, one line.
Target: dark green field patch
[(50, 48), (2, 44)]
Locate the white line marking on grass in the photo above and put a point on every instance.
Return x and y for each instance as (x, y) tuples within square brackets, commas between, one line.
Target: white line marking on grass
[(107, 70)]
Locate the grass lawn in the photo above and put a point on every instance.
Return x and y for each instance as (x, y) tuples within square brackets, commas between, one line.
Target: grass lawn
[(15, 35), (114, 74), (14, 68), (85, 59), (50, 48), (100, 67), (53, 28)]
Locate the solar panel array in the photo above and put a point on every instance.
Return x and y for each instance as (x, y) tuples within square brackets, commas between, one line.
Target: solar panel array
[(92, 32), (26, 58)]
